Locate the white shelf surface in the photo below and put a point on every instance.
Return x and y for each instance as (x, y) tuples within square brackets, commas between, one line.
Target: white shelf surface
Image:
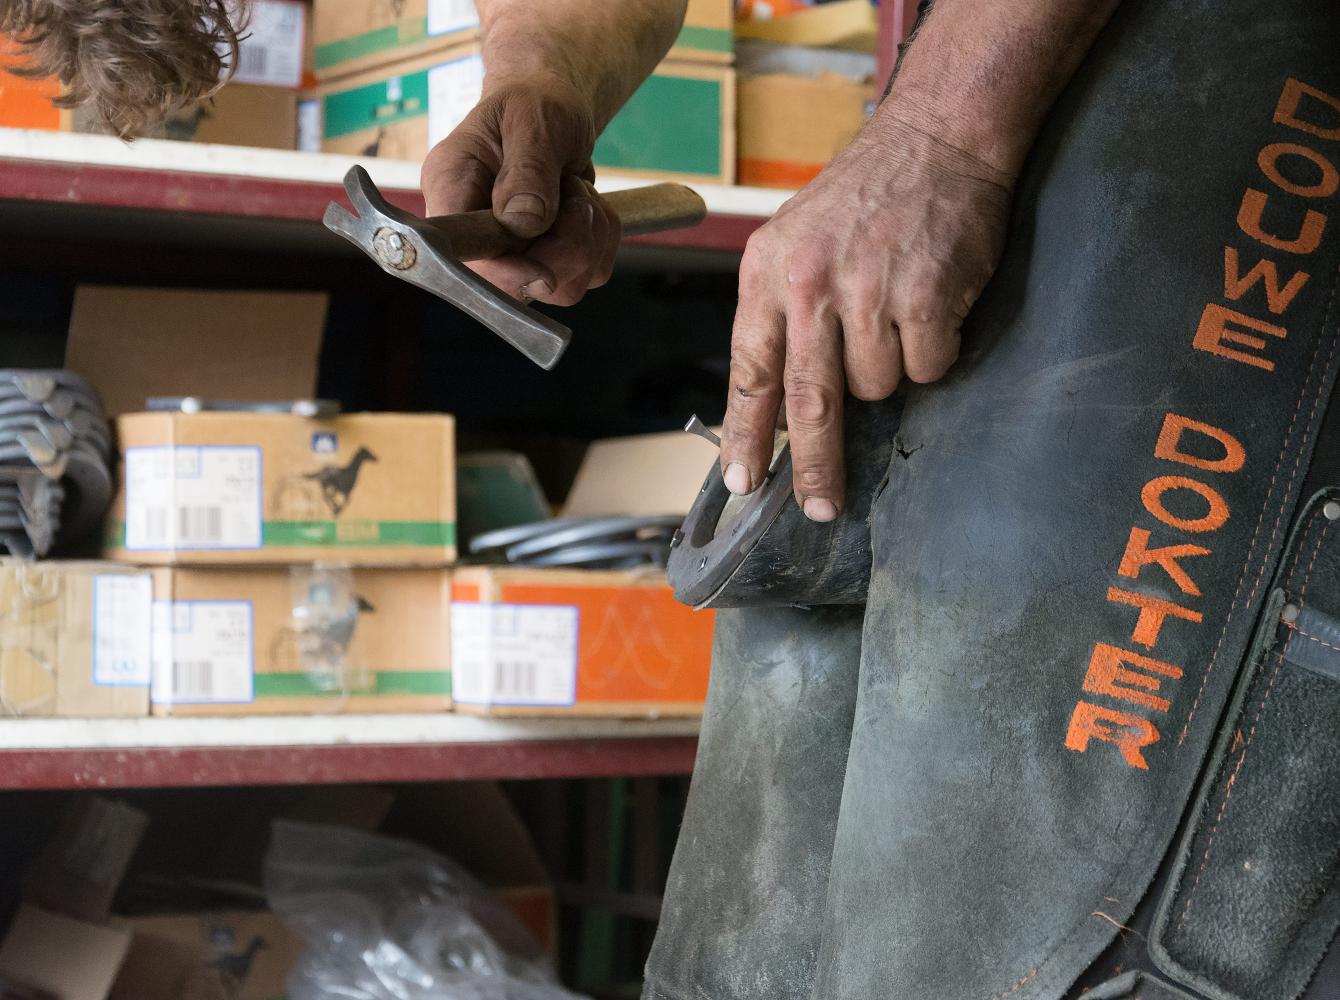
[(314, 168), (319, 731)]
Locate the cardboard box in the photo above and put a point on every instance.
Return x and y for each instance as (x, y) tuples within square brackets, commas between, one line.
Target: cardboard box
[(680, 124), (355, 35), (790, 127), (257, 109), (75, 639), (240, 642), (81, 867), (400, 111), (67, 958), (25, 102), (133, 343), (241, 955), (241, 114), (849, 24), (708, 34), (576, 642), (263, 488), (273, 45), (641, 476)]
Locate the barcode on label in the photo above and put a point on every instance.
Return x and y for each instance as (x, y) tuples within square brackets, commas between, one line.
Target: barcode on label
[(193, 497), (515, 681), (512, 654), (252, 60), (271, 51), (193, 680), (199, 525)]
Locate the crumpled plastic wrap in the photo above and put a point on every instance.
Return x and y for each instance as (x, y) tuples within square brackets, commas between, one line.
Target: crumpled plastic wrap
[(386, 919)]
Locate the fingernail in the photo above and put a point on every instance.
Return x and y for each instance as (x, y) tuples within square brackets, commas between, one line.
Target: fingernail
[(819, 509), (535, 289), (737, 479), (528, 205)]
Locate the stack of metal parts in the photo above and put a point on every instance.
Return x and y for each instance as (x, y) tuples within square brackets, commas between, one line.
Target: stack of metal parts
[(55, 460), (581, 542)]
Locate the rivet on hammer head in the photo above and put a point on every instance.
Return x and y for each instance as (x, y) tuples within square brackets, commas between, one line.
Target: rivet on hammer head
[(1331, 511), (1289, 613), (393, 249)]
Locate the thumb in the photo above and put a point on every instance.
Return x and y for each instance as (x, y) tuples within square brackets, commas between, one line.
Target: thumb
[(526, 191)]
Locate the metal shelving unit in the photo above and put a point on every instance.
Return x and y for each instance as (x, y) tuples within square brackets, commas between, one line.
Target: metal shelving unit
[(330, 749), (65, 170)]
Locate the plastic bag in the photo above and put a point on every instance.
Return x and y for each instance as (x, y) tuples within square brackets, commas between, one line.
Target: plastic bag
[(386, 919)]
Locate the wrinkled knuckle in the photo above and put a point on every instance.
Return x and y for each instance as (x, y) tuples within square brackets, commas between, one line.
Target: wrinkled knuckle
[(807, 276), (924, 306), (930, 297), (813, 479), (871, 387), (750, 378), (528, 164), (922, 369), (753, 274), (865, 292), (809, 404), (758, 245)]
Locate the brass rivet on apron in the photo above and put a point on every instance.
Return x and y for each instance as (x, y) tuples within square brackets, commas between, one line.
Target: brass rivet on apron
[(1289, 613), (1332, 510)]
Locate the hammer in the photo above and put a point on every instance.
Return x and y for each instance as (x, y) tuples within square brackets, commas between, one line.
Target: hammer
[(431, 253)]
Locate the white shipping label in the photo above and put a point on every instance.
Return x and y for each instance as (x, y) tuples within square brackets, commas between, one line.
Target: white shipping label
[(514, 654), (271, 49), (203, 652), (193, 497), (309, 126), (445, 16), (454, 89), (122, 630)]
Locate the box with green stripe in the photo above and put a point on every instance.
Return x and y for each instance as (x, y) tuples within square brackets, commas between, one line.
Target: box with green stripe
[(349, 36), (286, 640), (253, 488), (708, 33), (680, 124)]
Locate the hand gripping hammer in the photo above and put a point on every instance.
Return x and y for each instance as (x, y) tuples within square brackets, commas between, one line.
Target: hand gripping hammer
[(431, 253)]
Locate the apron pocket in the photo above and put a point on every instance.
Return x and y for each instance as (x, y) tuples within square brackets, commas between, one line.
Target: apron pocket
[(1254, 900)]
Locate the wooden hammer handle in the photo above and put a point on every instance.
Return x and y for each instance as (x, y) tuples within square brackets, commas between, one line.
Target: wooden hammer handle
[(651, 209)]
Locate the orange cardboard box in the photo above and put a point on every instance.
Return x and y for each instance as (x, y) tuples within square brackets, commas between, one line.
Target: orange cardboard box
[(576, 642), (25, 102)]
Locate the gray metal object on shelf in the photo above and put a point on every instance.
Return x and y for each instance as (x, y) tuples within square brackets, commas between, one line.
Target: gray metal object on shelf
[(55, 460), (581, 542)]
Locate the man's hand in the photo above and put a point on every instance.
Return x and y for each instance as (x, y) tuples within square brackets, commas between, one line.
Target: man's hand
[(865, 276), (860, 280), (555, 74), (525, 153)]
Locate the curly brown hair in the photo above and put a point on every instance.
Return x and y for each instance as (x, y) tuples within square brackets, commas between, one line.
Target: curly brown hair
[(134, 62)]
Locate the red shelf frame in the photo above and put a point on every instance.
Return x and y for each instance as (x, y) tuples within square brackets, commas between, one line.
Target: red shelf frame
[(181, 767), (261, 198)]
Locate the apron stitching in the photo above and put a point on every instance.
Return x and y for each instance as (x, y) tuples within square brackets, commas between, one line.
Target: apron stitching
[(1209, 669), (1228, 788)]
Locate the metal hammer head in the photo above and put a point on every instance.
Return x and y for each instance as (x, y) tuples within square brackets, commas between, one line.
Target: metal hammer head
[(421, 253)]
